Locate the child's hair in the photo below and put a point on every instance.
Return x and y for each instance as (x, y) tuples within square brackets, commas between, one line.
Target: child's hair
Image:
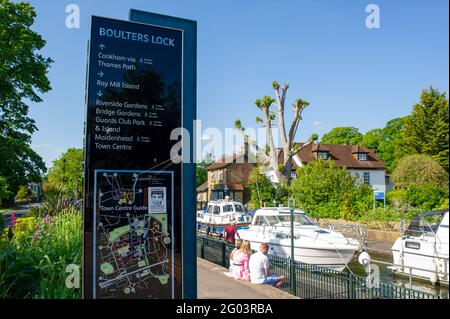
[(245, 247)]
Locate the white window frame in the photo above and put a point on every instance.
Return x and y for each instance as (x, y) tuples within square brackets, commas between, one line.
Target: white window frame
[(366, 178), (362, 157)]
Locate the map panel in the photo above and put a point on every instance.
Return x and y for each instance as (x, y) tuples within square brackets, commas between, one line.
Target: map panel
[(134, 235)]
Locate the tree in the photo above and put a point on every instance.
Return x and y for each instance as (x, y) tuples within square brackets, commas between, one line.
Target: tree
[(342, 135), (22, 78), (426, 131), (4, 189), (324, 190), (23, 194), (68, 171), (269, 154), (418, 171), (262, 191), (201, 171), (385, 142)]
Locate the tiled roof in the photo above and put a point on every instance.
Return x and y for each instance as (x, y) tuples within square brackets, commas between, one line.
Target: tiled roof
[(226, 160), (203, 187), (342, 155)]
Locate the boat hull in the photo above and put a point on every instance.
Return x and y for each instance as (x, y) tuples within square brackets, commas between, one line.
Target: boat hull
[(432, 266), (331, 258), (217, 229)]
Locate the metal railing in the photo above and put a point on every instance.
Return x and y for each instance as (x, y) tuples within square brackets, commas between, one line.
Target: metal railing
[(310, 281)]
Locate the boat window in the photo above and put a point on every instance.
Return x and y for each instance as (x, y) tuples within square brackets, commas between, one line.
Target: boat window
[(238, 208), (227, 208), (412, 245), (260, 221), (210, 209), (298, 218), (272, 220), (216, 210)]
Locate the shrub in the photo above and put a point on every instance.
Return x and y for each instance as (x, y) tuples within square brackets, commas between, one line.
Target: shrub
[(419, 171), (326, 191)]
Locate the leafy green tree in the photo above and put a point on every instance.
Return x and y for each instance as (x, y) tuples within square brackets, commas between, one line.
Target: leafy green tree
[(342, 135), (68, 171), (4, 189), (23, 194), (426, 131), (324, 190), (418, 171), (201, 171), (22, 78), (262, 191), (385, 142)]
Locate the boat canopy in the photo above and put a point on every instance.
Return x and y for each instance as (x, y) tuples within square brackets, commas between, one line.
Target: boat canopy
[(416, 219)]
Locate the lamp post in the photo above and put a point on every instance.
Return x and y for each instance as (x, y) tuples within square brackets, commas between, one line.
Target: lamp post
[(292, 272)]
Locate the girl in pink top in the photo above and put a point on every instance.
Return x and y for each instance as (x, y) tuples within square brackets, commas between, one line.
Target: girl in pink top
[(239, 262)]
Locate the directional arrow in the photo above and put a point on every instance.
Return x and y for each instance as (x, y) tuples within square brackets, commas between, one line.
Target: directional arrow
[(99, 93), (102, 47), (100, 74)]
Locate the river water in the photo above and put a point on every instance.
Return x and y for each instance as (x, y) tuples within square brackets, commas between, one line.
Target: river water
[(388, 276)]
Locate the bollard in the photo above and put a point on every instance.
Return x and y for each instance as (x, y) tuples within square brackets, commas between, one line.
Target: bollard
[(202, 249)]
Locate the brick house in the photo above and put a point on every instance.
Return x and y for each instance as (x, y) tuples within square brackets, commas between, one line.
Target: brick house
[(227, 177)]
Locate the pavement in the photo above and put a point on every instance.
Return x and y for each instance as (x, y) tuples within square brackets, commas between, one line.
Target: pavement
[(214, 284), (20, 211)]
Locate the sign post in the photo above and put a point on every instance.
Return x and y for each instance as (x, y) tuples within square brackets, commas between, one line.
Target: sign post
[(135, 191), (379, 196)]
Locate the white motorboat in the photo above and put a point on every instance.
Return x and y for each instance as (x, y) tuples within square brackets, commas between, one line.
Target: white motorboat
[(312, 244), (423, 249), (220, 214)]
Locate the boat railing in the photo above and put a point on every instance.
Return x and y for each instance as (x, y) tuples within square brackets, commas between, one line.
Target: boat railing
[(357, 232), (411, 268)]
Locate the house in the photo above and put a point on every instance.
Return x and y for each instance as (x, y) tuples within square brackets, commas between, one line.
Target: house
[(361, 162), (227, 177)]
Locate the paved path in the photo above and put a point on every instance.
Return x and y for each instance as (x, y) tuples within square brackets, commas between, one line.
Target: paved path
[(19, 212), (214, 284)]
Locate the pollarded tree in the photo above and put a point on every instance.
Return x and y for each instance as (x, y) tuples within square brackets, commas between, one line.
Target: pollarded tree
[(269, 155)]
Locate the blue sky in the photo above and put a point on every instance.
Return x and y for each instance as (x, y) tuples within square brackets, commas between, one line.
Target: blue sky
[(351, 75)]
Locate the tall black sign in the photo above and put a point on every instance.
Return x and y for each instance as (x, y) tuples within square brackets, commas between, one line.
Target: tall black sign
[(133, 201)]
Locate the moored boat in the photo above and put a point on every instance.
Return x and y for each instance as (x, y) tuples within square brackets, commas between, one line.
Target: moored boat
[(312, 244), (423, 251), (220, 214)]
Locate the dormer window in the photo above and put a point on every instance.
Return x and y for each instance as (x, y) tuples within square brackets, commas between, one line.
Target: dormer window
[(362, 156), (322, 155)]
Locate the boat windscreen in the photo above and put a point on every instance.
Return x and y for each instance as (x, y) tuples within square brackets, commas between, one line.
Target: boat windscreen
[(227, 208), (238, 208), (298, 218)]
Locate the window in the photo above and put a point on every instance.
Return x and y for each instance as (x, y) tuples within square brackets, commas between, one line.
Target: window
[(362, 156), (213, 176), (260, 221), (210, 209), (227, 208), (293, 174), (366, 178), (221, 175), (216, 210), (322, 155), (412, 245), (357, 175), (238, 208)]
